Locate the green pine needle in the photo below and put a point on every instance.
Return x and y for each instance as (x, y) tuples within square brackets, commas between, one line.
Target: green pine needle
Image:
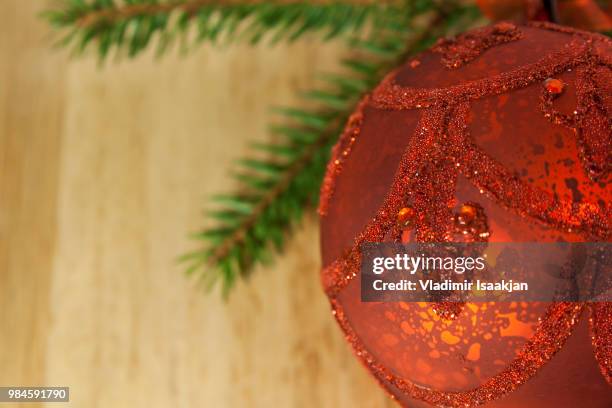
[(130, 26)]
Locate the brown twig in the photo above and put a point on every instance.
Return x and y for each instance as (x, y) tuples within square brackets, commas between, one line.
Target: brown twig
[(240, 234)]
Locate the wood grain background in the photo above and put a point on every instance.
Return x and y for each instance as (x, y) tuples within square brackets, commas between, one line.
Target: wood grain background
[(103, 171)]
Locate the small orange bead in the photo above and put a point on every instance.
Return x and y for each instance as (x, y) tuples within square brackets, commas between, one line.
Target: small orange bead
[(554, 86), (405, 216), (466, 215)]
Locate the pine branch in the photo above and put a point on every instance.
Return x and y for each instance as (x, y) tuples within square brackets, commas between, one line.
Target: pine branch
[(131, 10), (132, 25), (276, 190)]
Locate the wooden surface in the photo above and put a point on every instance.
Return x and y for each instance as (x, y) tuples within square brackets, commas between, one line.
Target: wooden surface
[(103, 171)]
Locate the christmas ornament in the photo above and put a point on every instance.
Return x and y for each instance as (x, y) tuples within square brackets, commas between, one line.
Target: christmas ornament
[(501, 134)]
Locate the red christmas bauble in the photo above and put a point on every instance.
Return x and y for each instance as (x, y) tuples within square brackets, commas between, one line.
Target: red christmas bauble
[(502, 134)]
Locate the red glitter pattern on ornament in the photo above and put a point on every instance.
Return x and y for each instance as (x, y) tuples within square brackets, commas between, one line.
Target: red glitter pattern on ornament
[(601, 330), (391, 96), (594, 126), (591, 121), (441, 149), (556, 327), (415, 158), (527, 200), (469, 46)]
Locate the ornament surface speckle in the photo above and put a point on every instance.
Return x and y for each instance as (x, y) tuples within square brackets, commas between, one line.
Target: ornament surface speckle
[(405, 216), (554, 86)]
